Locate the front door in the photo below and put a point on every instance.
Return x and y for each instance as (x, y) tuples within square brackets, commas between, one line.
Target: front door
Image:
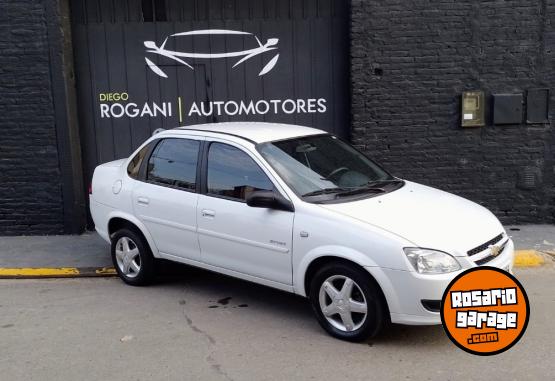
[(233, 235), (166, 201)]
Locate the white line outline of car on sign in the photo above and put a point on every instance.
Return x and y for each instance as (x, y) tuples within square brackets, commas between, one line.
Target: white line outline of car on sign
[(271, 44)]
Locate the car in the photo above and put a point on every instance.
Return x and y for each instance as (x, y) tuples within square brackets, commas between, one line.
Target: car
[(297, 209)]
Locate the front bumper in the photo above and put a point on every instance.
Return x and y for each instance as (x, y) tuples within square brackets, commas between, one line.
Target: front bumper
[(405, 290)]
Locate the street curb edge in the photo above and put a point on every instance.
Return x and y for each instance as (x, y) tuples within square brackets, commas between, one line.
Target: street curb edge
[(56, 272)]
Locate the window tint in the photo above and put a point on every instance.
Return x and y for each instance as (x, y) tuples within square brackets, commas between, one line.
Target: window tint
[(174, 163), (135, 163), (232, 173)]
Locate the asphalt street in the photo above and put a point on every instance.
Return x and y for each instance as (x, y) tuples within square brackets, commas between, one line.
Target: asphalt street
[(195, 325)]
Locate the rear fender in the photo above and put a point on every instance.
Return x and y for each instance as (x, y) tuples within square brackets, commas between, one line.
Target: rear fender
[(135, 221)]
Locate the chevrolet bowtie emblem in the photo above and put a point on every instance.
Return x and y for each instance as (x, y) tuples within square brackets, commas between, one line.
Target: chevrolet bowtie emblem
[(495, 250)]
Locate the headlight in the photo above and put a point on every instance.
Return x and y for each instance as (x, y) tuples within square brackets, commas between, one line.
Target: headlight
[(426, 261)]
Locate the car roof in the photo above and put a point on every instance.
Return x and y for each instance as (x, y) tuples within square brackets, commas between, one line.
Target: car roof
[(255, 132)]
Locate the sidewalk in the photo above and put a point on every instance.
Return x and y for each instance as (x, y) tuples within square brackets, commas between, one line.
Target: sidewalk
[(52, 256), (89, 255)]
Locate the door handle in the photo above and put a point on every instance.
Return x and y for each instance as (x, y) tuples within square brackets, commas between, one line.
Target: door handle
[(143, 200), (208, 213)]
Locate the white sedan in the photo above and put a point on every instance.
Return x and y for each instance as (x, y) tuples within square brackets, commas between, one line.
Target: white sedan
[(297, 209)]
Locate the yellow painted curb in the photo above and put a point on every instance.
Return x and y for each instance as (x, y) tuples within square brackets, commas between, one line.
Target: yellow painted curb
[(528, 258), (56, 272), (106, 271), (38, 272)]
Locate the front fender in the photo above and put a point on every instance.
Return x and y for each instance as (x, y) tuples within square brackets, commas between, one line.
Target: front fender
[(327, 251), (351, 255)]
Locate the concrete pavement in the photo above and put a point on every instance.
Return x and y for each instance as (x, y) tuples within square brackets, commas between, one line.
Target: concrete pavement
[(196, 325), (533, 237)]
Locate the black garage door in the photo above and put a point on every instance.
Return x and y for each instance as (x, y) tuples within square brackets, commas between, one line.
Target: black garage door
[(144, 65)]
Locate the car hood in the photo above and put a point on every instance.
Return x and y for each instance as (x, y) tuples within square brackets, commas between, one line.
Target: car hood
[(426, 217)]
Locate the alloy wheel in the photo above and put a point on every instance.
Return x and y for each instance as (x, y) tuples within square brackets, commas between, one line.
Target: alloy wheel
[(128, 257), (343, 303)]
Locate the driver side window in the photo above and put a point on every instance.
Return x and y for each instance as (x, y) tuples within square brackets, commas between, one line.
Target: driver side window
[(233, 174)]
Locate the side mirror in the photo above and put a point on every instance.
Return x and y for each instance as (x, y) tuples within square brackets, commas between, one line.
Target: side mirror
[(270, 200)]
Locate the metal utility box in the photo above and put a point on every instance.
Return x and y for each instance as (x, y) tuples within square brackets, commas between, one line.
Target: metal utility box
[(472, 109), (537, 106), (507, 108)]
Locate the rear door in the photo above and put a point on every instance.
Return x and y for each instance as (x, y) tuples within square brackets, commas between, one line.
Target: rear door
[(166, 200), (233, 235)]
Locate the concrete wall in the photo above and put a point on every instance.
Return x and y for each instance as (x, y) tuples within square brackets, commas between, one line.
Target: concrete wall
[(30, 179), (410, 62)]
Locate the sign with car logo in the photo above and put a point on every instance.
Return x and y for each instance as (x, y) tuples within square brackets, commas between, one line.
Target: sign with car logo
[(170, 56)]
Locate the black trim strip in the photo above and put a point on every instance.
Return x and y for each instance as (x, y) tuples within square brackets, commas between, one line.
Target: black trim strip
[(203, 185), (218, 132)]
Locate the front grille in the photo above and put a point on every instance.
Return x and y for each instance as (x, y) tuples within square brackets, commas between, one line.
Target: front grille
[(484, 246), (490, 257)]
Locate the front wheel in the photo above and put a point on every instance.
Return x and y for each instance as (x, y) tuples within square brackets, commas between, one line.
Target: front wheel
[(132, 257), (347, 302)]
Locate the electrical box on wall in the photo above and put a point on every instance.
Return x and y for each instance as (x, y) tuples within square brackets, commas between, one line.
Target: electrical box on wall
[(537, 106), (507, 108), (472, 109)]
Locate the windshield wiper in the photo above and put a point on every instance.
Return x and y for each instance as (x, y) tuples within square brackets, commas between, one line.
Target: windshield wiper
[(326, 191), (374, 183), (364, 189), (371, 186)]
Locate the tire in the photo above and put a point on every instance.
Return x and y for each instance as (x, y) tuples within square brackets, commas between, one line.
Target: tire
[(137, 266), (330, 280)]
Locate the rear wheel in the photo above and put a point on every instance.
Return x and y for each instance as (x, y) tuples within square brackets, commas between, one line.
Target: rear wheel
[(132, 257), (347, 302)]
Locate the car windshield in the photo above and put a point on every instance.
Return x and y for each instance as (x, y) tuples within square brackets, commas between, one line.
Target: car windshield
[(324, 165)]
